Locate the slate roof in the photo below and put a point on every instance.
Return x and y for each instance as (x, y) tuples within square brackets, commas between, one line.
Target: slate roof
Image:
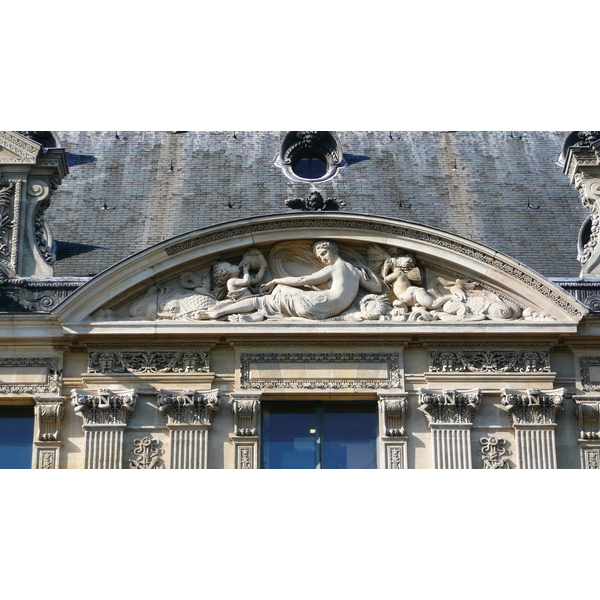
[(159, 184)]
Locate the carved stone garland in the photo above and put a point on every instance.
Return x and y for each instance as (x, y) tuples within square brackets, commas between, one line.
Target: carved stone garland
[(48, 414), (189, 415), (533, 414), (105, 417), (393, 442), (587, 410), (246, 438), (450, 416)]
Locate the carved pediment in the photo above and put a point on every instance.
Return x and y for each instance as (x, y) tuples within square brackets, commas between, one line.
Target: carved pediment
[(362, 273), (17, 149)]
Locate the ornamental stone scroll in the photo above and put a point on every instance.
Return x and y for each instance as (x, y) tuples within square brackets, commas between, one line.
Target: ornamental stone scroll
[(533, 413), (450, 415), (246, 436), (105, 416), (188, 415)]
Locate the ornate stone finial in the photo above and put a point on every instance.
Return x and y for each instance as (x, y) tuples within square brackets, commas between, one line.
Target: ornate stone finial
[(533, 407), (492, 453), (189, 407), (104, 407), (315, 202), (148, 452), (449, 406)]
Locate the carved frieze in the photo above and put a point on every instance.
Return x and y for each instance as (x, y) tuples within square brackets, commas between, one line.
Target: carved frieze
[(533, 407), (147, 452), (489, 361), (188, 407), (493, 452), (150, 361), (449, 406), (26, 150), (386, 364), (104, 407), (29, 375)]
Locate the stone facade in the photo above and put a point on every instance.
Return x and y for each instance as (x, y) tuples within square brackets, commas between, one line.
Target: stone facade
[(167, 359)]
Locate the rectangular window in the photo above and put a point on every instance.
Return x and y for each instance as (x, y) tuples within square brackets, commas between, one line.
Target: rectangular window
[(16, 437), (319, 435)]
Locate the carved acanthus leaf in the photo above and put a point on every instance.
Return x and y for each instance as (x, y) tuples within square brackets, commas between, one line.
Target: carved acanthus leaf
[(533, 407), (104, 407), (189, 407), (449, 406)]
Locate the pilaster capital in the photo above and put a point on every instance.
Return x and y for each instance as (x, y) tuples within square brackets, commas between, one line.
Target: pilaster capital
[(533, 407), (48, 414), (449, 406), (189, 407), (104, 407)]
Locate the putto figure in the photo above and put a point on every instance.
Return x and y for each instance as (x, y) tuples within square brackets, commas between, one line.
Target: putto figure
[(340, 279)]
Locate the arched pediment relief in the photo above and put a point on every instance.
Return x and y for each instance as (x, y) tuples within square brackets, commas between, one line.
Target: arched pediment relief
[(281, 268)]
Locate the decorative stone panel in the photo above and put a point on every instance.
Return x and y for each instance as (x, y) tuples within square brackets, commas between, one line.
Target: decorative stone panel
[(29, 375), (450, 415), (493, 452), (589, 368), (147, 452), (393, 442), (189, 415), (105, 417), (533, 414), (48, 415), (320, 370)]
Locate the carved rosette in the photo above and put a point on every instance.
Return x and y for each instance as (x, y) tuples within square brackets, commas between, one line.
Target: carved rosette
[(104, 407), (246, 422), (533, 407), (48, 415), (189, 407), (489, 361), (449, 406)]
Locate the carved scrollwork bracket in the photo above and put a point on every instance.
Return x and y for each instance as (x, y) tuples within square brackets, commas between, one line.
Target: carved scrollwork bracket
[(392, 409), (449, 406), (587, 410), (48, 415), (246, 413)]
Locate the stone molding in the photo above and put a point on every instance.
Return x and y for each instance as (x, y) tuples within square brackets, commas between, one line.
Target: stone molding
[(151, 361), (393, 379), (51, 377), (489, 361), (533, 407), (188, 407), (449, 406), (27, 150)]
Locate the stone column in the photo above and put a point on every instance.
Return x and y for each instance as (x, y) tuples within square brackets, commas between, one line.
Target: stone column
[(392, 441), (587, 410), (246, 438), (533, 414), (189, 415), (105, 416), (450, 414), (46, 437)]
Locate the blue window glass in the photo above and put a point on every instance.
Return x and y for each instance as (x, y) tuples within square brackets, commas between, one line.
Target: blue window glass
[(310, 168), (16, 437), (321, 435)]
